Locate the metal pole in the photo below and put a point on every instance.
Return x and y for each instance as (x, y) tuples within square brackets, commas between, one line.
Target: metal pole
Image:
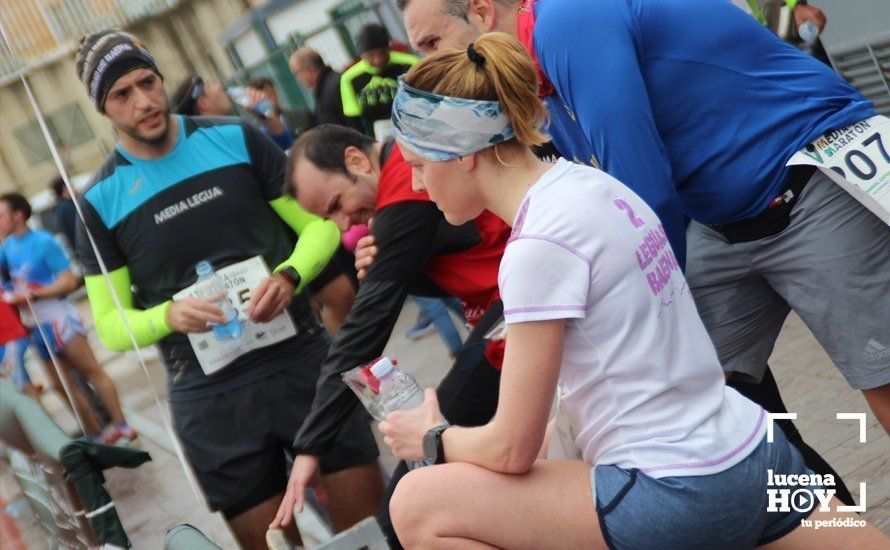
[(877, 63)]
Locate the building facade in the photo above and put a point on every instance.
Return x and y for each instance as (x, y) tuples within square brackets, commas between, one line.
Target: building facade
[(182, 34)]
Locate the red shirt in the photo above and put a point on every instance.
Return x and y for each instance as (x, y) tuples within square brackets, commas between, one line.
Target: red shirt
[(471, 275), (11, 327)]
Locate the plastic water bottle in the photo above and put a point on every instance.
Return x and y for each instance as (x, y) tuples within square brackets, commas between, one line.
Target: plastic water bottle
[(239, 94), (398, 391), (808, 32), (211, 285)]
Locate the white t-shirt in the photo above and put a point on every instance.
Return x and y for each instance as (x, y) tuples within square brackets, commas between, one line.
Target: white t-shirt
[(642, 384)]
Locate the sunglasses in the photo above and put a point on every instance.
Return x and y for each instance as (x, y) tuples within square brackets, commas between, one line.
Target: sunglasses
[(189, 103)]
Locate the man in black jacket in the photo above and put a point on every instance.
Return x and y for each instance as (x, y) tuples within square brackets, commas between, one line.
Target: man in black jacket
[(347, 177), (311, 71)]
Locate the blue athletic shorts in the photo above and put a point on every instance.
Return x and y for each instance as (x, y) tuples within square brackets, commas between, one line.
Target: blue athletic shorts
[(56, 333), (726, 510)]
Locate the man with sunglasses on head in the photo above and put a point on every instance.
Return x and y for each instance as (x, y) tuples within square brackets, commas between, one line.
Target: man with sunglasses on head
[(179, 190), (198, 97)]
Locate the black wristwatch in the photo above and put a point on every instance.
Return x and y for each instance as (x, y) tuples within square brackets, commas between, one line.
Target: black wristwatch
[(291, 275), (433, 451)]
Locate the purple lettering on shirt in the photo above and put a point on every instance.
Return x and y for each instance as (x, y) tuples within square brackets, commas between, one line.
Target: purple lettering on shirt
[(622, 205), (660, 275), (654, 255), (662, 236), (653, 282), (675, 265), (643, 259), (651, 244)]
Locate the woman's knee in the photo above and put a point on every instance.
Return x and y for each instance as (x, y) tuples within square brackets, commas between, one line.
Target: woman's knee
[(411, 506)]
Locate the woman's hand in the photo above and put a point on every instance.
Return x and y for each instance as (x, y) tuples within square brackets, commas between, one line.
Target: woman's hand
[(404, 430)]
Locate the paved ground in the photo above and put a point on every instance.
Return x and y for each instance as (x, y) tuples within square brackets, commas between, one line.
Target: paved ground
[(157, 496)]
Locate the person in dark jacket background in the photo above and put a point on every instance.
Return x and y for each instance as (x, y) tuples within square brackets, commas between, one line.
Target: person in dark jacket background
[(310, 70), (64, 213)]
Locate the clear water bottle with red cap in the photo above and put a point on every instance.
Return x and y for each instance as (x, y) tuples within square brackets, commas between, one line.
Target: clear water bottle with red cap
[(397, 390)]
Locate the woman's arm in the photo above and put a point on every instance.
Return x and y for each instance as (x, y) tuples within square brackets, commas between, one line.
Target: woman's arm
[(510, 443)]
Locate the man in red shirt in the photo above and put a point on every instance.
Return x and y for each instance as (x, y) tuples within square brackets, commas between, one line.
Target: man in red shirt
[(340, 174)]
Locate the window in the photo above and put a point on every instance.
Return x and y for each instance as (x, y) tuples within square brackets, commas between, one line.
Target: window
[(67, 126)]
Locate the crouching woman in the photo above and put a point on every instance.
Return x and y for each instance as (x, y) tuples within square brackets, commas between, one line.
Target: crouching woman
[(596, 305)]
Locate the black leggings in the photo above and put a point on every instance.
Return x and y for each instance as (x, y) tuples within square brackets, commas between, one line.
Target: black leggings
[(468, 396), (766, 394)]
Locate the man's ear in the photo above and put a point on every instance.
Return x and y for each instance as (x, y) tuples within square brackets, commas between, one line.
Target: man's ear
[(201, 105), (356, 161), (481, 14)]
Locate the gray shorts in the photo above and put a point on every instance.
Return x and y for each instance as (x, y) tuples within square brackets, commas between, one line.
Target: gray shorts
[(831, 265)]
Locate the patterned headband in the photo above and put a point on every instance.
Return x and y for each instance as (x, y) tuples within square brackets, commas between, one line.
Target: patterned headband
[(439, 128)]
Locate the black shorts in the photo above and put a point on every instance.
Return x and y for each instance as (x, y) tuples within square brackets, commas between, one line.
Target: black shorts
[(342, 263), (236, 440)]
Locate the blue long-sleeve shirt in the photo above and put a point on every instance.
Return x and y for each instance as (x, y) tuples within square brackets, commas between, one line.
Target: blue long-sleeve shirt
[(691, 103)]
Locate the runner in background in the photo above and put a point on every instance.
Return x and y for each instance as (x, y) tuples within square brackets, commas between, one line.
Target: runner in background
[(261, 93), (663, 439), (39, 272), (343, 175), (714, 153), (177, 191), (196, 97), (64, 212)]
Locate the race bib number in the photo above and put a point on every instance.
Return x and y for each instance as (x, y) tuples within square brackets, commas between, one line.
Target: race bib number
[(214, 355), (858, 159)]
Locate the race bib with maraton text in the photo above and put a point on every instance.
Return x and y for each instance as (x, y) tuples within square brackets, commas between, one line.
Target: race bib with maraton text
[(857, 158), (214, 355)]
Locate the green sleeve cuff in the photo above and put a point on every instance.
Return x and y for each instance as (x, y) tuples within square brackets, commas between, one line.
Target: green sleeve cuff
[(156, 318), (317, 241), (303, 281), (148, 326)]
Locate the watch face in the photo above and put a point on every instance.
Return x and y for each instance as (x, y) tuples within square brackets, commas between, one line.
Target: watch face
[(292, 274), (429, 445)]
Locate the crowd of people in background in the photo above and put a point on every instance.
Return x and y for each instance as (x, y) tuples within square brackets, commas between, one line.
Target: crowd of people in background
[(643, 277)]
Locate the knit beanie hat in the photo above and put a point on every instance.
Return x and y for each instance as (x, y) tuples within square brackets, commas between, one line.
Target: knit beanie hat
[(106, 56)]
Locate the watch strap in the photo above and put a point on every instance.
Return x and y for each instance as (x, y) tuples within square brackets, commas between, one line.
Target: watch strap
[(440, 447)]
